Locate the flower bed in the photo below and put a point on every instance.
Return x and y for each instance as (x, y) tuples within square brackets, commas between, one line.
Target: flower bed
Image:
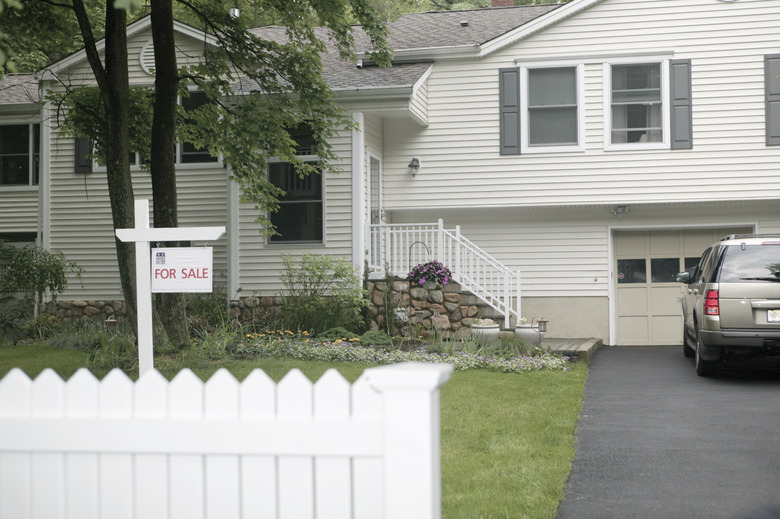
[(352, 351)]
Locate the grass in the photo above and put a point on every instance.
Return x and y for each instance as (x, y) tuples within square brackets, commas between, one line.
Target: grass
[(507, 438)]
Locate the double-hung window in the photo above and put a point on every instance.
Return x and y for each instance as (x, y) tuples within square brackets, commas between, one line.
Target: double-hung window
[(541, 108), (552, 108), (20, 154), (636, 103), (188, 153), (300, 215)]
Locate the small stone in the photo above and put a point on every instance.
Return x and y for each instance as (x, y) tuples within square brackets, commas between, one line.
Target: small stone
[(418, 293), (91, 311), (456, 315), (436, 296), (441, 322), (451, 297), (451, 307), (79, 304), (473, 311), (401, 286), (380, 286), (467, 321)]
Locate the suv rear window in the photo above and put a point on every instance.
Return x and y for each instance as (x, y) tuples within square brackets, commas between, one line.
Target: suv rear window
[(751, 263)]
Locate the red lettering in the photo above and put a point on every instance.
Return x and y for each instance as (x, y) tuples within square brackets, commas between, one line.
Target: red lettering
[(165, 273)]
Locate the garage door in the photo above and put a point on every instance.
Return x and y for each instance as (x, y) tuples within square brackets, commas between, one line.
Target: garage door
[(647, 296)]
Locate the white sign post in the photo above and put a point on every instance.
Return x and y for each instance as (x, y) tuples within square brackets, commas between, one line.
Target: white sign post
[(142, 235)]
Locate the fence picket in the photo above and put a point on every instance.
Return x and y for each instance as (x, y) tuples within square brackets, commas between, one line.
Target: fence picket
[(185, 401), (222, 471), (15, 467), (151, 470), (295, 474), (115, 400), (258, 473), (82, 469), (367, 479), (48, 468), (332, 475)]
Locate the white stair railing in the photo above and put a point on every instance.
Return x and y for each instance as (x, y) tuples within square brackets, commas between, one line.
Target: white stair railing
[(399, 247)]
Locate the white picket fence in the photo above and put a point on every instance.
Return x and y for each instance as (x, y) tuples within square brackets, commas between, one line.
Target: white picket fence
[(118, 449)]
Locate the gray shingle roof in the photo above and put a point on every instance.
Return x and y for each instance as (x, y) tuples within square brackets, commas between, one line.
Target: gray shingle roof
[(18, 89), (436, 29), (443, 28)]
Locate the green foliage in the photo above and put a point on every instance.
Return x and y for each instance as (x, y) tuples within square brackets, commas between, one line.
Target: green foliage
[(41, 327), (206, 311), (107, 349), (34, 269), (13, 312), (377, 339), (81, 112), (336, 334), (322, 292)]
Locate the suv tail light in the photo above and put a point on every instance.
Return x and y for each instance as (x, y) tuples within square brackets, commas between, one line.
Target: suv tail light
[(711, 306)]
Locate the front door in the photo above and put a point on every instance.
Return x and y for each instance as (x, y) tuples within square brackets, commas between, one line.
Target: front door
[(648, 309)]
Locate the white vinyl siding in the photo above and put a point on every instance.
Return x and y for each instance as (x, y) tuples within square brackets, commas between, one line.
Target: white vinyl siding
[(726, 43), (260, 263)]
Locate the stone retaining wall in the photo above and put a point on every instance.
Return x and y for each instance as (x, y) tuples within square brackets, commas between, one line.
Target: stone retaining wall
[(79, 309)]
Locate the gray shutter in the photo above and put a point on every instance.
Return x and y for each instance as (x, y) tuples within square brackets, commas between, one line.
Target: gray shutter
[(680, 95), (509, 99), (772, 98), (83, 161)]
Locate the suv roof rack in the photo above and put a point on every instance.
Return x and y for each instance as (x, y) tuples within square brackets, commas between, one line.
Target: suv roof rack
[(746, 236)]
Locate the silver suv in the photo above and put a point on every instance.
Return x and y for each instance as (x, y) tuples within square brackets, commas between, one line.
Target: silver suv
[(731, 305)]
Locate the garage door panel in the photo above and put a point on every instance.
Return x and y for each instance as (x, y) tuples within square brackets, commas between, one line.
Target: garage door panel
[(665, 300), (632, 300), (665, 243), (633, 330), (667, 330)]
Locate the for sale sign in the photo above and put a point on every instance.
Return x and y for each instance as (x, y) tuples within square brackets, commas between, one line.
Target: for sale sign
[(181, 269)]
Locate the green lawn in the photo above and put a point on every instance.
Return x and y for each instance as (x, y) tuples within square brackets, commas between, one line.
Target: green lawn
[(507, 438)]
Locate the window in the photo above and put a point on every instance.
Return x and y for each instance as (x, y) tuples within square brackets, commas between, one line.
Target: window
[(189, 154), (636, 103), (20, 154), (552, 107), (299, 218)]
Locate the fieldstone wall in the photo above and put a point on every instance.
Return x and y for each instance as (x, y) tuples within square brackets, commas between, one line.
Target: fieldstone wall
[(418, 310), (79, 309), (246, 308)]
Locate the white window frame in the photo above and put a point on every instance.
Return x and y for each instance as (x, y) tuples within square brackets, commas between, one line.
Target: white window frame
[(664, 144), (30, 185), (301, 244), (525, 147)]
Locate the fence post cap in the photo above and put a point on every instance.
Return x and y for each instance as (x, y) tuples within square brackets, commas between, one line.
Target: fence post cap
[(409, 375)]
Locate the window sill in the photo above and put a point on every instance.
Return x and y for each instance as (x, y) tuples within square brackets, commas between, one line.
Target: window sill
[(637, 146), (539, 150), (17, 188)]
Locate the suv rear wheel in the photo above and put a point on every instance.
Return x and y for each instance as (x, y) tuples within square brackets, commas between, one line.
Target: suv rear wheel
[(704, 368)]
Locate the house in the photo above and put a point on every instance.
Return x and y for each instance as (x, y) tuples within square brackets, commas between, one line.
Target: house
[(583, 152)]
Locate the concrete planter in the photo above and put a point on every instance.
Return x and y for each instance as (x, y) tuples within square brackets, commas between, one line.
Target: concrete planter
[(484, 334), (529, 333)]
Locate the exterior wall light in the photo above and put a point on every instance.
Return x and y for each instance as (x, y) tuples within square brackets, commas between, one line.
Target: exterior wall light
[(620, 210), (414, 166)]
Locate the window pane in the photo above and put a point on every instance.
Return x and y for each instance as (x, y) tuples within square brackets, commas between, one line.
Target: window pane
[(552, 126), (552, 86), (636, 103), (632, 271), (664, 270), (298, 221), (300, 209), (691, 263), (374, 189), (15, 154), (189, 153), (552, 106)]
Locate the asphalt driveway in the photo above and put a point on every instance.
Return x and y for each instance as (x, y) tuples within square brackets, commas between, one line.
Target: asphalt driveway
[(657, 441)]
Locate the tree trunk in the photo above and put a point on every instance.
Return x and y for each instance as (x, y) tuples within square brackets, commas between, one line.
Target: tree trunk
[(170, 307)]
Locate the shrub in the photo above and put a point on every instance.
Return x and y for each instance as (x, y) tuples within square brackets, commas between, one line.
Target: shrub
[(41, 327), (206, 311), (377, 339), (322, 292), (335, 334)]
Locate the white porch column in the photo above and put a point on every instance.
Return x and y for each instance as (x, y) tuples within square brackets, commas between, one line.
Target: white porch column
[(359, 193)]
